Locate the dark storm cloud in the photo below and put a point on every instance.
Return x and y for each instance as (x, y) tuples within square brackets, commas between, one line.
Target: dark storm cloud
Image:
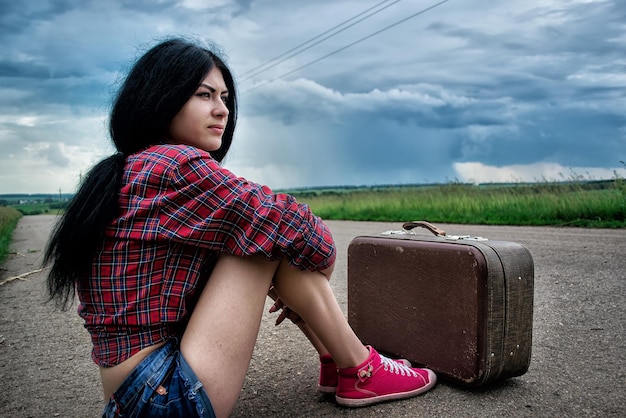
[(12, 69), (532, 85)]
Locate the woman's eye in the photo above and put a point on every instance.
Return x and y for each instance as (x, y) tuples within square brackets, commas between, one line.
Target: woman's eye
[(224, 99)]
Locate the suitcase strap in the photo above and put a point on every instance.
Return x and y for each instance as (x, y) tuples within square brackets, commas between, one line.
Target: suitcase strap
[(407, 226)]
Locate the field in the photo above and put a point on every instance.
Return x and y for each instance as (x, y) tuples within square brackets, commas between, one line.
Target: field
[(597, 204), (36, 204), (600, 204)]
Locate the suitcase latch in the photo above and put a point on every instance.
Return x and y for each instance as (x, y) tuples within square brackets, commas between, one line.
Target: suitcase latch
[(465, 238)]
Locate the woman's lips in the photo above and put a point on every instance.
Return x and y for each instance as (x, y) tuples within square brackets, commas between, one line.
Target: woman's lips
[(218, 129)]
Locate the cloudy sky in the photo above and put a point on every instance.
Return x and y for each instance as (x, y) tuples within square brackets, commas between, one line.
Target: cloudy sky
[(334, 92)]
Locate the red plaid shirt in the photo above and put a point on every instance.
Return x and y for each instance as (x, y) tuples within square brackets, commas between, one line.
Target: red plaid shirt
[(178, 210)]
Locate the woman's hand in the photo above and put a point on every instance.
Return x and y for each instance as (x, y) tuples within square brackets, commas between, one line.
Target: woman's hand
[(286, 312)]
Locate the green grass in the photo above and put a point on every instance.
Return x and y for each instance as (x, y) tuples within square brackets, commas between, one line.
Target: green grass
[(40, 208), (8, 221), (32, 208), (584, 204)]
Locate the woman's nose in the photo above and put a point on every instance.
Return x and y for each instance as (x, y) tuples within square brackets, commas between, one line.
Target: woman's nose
[(221, 109)]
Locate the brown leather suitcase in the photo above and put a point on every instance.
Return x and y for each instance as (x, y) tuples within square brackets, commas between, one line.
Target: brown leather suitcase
[(459, 305)]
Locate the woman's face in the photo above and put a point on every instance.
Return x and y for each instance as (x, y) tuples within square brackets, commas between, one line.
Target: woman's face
[(201, 121)]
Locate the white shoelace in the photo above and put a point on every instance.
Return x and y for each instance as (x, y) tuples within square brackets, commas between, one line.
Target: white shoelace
[(397, 368)]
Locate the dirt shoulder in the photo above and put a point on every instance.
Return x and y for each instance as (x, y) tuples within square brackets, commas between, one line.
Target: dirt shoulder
[(44, 353)]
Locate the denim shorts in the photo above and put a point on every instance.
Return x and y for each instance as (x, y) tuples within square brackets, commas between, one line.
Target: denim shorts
[(162, 385)]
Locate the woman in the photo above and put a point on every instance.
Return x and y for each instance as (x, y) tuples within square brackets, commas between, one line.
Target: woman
[(172, 256)]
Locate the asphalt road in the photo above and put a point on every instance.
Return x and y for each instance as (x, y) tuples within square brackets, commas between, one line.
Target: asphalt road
[(577, 369)]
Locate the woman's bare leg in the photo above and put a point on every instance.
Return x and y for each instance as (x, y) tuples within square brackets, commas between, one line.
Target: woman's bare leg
[(309, 295), (313, 338), (304, 327), (220, 338)]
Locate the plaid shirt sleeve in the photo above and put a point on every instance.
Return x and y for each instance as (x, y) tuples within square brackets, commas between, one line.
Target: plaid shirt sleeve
[(208, 206)]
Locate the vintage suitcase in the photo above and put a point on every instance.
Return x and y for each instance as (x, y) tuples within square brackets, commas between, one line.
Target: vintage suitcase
[(459, 305)]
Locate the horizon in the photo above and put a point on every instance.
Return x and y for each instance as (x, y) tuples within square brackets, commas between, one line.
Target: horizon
[(381, 186)]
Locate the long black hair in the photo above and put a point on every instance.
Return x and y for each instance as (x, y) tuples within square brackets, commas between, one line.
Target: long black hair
[(154, 91)]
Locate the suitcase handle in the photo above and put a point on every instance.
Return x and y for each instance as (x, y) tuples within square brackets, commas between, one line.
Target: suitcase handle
[(407, 226)]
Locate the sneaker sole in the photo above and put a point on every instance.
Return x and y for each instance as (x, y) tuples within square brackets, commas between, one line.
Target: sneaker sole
[(355, 403), (327, 389)]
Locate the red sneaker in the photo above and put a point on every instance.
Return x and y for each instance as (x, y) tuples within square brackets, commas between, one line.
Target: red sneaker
[(380, 379), (329, 375)]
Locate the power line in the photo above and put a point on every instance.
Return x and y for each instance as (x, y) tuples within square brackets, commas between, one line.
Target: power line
[(343, 48), (254, 70), (320, 35)]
